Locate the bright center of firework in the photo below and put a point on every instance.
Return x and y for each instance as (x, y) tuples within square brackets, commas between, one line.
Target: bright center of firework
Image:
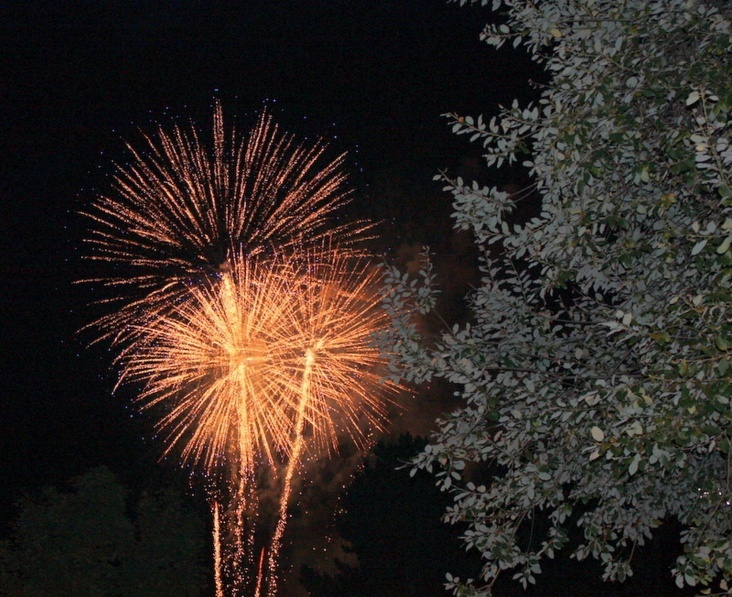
[(245, 356), (241, 357)]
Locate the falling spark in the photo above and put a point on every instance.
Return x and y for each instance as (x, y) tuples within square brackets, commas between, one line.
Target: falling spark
[(291, 466), (245, 504), (260, 575)]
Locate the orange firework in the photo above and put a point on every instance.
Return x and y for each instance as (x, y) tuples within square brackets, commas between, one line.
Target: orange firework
[(243, 313), (262, 358), (213, 365), (180, 207), (335, 318), (228, 365)]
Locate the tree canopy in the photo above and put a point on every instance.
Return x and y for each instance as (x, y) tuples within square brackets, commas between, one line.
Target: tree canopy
[(89, 542), (595, 371)]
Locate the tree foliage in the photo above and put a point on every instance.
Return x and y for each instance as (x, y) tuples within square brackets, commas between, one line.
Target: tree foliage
[(88, 542), (595, 372)]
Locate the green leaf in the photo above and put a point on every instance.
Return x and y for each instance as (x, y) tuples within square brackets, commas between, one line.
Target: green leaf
[(724, 191), (721, 343), (721, 249), (699, 246)]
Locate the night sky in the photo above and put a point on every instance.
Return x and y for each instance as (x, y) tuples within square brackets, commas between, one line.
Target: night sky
[(78, 79)]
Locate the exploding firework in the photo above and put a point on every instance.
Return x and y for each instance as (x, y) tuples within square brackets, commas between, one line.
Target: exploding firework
[(250, 359), (257, 362), (244, 315), (213, 368), (180, 207)]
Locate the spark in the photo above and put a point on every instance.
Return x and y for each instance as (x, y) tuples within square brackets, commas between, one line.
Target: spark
[(260, 575), (291, 466), (217, 549)]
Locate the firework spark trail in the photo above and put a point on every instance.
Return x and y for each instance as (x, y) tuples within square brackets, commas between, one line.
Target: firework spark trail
[(217, 549), (292, 464), (239, 347), (212, 365), (228, 367), (241, 528), (260, 575), (234, 508)]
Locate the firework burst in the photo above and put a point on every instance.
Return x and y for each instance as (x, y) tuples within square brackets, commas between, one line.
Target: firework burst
[(255, 364), (180, 207), (243, 313), (212, 368), (228, 366)]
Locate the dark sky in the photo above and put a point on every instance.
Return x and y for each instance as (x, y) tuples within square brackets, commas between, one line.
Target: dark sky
[(79, 78)]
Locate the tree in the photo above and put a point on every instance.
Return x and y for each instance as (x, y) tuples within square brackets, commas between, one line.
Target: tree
[(84, 542), (595, 373), (391, 523)]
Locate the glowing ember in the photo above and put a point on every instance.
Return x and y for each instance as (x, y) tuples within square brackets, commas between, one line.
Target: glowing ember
[(217, 549)]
